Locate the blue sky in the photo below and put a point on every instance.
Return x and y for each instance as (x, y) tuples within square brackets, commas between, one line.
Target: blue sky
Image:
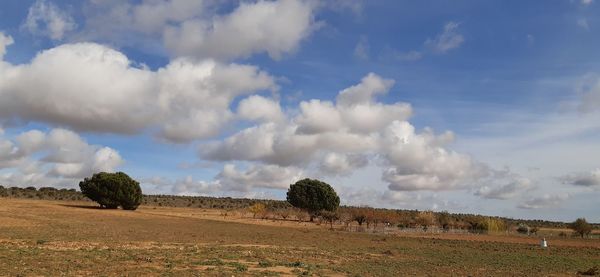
[(468, 106)]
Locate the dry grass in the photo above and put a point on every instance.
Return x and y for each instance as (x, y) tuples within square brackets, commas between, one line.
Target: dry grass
[(67, 238)]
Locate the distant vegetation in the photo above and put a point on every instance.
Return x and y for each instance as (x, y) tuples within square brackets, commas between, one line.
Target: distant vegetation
[(366, 218)]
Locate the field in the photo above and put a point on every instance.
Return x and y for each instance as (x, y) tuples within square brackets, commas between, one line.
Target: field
[(49, 238)]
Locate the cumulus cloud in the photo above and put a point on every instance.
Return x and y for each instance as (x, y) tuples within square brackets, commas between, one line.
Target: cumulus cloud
[(275, 27), (506, 191), (258, 108), (336, 138), (58, 157), (230, 181), (106, 92), (46, 19), (196, 28), (364, 93), (545, 201), (420, 161), (588, 179), (258, 176), (449, 39), (342, 164)]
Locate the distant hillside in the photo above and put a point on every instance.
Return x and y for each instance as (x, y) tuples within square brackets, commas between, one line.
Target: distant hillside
[(228, 203)]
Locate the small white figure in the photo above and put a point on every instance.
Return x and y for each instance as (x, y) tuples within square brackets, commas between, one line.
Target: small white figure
[(543, 243)]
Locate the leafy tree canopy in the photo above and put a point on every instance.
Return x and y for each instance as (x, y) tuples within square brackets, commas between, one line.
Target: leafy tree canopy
[(313, 196), (112, 190)]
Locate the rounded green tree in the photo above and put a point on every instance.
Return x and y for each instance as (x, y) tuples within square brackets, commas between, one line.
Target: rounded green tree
[(313, 196), (112, 190)]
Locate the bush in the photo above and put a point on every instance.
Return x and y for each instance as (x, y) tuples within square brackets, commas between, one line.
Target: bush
[(257, 209), (523, 229), (313, 196), (581, 227), (112, 190)]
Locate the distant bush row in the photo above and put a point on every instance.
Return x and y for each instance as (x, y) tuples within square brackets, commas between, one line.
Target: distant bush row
[(364, 216)]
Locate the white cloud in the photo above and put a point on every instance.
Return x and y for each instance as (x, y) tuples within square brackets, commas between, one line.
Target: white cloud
[(258, 176), (5, 41), (364, 93), (197, 28), (420, 161), (258, 108), (545, 201), (46, 19), (185, 100), (342, 164), (230, 181), (449, 39), (507, 191), (587, 2), (275, 27), (59, 157), (588, 179), (337, 138)]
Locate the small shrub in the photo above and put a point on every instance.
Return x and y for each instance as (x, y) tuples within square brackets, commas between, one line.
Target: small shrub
[(265, 264), (523, 229), (257, 209)]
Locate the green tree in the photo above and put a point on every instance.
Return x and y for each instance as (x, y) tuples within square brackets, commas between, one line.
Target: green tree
[(112, 190), (313, 196), (581, 227)]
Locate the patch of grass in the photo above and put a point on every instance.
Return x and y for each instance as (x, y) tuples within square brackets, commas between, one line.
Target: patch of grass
[(265, 264), (239, 267), (213, 262)]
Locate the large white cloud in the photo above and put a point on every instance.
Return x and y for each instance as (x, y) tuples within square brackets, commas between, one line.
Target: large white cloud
[(106, 92), (275, 27), (59, 157), (199, 28), (337, 138), (420, 161)]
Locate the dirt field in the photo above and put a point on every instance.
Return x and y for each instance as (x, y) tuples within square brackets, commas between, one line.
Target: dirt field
[(53, 238)]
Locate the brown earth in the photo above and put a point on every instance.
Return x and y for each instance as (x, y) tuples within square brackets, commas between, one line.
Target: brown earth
[(52, 238)]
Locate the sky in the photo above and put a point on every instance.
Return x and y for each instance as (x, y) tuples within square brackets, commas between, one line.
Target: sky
[(488, 107)]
